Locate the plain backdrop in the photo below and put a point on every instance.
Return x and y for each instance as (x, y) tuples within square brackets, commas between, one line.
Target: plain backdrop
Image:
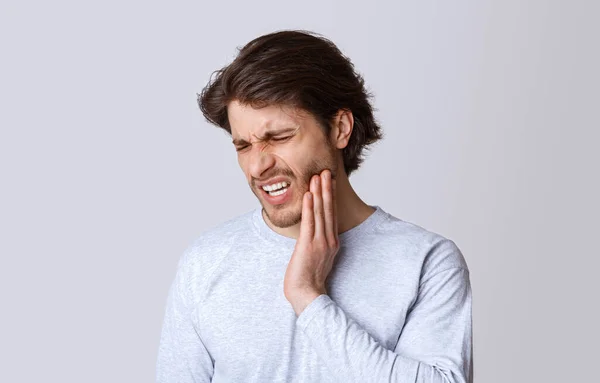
[(491, 113)]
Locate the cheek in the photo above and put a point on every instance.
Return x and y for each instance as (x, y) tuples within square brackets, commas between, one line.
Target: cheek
[(292, 160), (302, 170)]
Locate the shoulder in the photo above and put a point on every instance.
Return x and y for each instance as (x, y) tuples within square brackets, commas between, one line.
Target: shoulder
[(433, 251), (219, 236), (203, 255)]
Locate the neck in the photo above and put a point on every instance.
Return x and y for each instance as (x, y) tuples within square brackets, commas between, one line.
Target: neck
[(351, 210)]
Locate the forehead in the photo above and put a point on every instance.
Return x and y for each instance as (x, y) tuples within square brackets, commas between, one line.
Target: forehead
[(246, 120)]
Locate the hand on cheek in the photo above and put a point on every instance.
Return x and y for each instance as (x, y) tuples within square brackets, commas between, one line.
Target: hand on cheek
[(317, 244)]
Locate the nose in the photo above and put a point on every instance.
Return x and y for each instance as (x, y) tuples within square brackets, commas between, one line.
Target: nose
[(260, 162)]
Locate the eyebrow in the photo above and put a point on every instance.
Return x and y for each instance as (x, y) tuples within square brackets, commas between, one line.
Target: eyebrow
[(268, 134)]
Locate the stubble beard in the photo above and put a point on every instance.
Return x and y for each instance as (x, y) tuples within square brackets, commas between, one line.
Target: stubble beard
[(290, 213)]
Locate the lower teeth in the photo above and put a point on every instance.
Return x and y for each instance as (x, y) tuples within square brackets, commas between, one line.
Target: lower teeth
[(278, 192)]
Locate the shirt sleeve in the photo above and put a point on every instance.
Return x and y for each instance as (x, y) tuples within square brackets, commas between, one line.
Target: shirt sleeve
[(434, 345), (182, 357)]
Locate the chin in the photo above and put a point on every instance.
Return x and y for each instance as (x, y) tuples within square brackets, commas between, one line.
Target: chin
[(283, 217)]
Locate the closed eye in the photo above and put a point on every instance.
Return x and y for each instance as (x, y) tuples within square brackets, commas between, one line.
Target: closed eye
[(276, 139)]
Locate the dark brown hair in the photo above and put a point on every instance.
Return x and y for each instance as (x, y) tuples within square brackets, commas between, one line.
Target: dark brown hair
[(300, 69)]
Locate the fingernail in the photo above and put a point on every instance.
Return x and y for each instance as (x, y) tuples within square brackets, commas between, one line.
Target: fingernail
[(309, 195)]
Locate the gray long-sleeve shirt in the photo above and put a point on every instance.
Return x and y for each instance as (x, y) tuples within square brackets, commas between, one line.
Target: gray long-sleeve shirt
[(397, 309)]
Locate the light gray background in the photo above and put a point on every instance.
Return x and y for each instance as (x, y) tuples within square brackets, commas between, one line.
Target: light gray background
[(491, 116)]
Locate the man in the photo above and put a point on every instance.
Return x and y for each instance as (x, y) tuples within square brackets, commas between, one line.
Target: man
[(316, 285)]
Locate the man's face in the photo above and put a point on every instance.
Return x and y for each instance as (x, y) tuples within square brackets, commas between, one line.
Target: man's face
[(279, 144)]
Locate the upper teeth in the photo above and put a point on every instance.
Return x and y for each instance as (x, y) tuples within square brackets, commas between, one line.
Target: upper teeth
[(275, 186)]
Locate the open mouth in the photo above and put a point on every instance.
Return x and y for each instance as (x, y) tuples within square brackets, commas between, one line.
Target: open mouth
[(277, 190)]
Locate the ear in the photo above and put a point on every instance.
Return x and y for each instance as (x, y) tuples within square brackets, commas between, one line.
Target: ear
[(341, 128)]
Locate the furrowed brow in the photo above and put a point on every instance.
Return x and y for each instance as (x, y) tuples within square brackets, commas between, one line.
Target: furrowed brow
[(268, 134)]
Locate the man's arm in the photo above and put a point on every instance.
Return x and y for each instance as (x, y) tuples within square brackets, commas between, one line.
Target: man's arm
[(434, 346), (182, 357)]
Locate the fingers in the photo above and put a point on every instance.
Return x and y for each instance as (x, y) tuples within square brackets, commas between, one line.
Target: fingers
[(315, 188), (319, 214), (307, 225), (329, 207)]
